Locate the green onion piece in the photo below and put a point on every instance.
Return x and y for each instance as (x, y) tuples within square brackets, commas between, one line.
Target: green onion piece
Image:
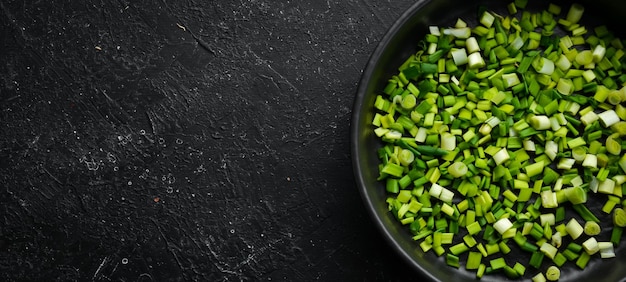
[(574, 13), (576, 195), (529, 247), (408, 102), (406, 157), (584, 57), (393, 169), (548, 250), (458, 169), (614, 97), (592, 228), (619, 128), (539, 277), (553, 273), (585, 213), (510, 272), (575, 247), (540, 122), (616, 235), (591, 246), (461, 32), (570, 255), (536, 259), (473, 260), (431, 151), (471, 44), (560, 259), (481, 270), (612, 145), (619, 217), (565, 86), (608, 118), (476, 61), (574, 229), (583, 260), (452, 260), (497, 263), (543, 66), (459, 56), (606, 250), (519, 268), (392, 186)]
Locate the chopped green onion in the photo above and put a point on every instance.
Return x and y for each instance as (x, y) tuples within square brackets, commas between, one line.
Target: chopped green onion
[(591, 246), (539, 277), (585, 213), (473, 260), (616, 234), (548, 250), (459, 56), (476, 61), (574, 229), (606, 250), (494, 132), (458, 169), (591, 228), (502, 225), (553, 273), (619, 217), (497, 263), (608, 118)]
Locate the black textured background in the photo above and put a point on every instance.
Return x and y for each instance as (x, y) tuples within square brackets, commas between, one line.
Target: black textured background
[(185, 140)]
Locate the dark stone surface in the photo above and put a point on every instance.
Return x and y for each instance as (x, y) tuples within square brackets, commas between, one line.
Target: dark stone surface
[(185, 141)]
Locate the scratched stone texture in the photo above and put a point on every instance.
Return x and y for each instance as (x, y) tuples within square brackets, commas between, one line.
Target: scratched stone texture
[(185, 141)]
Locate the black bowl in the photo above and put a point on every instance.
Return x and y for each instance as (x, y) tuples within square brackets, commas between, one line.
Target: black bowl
[(401, 41)]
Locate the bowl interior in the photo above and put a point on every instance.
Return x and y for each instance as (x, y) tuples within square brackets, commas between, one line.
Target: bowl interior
[(400, 42)]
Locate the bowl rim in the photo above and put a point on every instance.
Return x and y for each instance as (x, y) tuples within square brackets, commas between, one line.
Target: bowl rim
[(364, 81)]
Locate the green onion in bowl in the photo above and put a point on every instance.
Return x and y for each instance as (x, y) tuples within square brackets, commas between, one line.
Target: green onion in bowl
[(497, 135)]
